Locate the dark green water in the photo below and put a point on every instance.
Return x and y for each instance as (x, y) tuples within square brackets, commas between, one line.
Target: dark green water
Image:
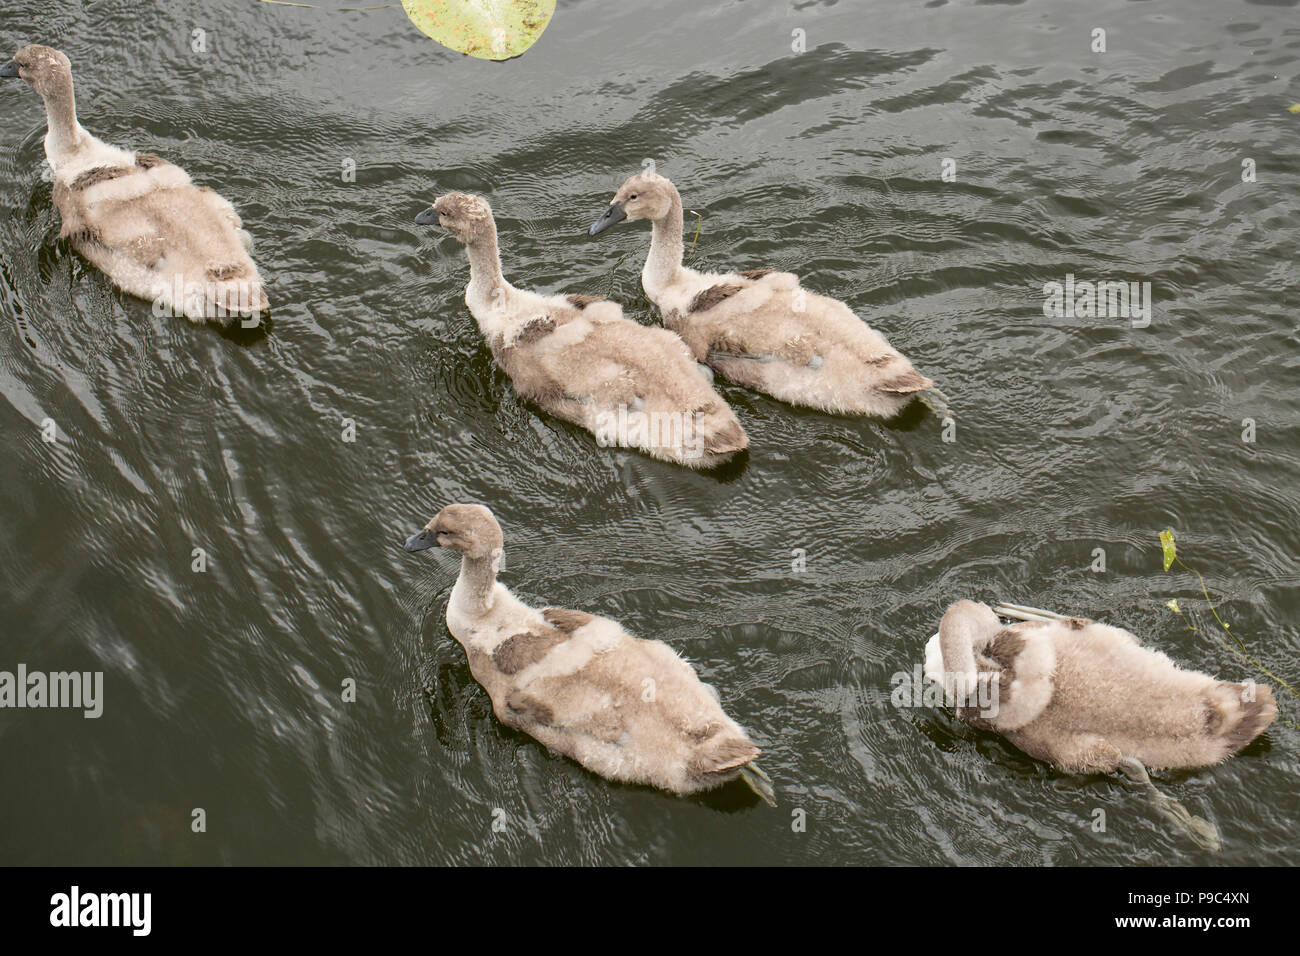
[(223, 689)]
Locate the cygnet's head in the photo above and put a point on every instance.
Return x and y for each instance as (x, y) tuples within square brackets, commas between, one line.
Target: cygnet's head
[(468, 529), (468, 218), (44, 68), (644, 196)]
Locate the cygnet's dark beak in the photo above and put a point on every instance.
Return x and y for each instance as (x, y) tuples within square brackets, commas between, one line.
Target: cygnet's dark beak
[(427, 218), (10, 69), (419, 542), (610, 217)]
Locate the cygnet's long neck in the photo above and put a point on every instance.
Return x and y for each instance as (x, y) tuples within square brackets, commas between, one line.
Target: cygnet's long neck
[(65, 133), (958, 639), (665, 256), (472, 593), (487, 286)]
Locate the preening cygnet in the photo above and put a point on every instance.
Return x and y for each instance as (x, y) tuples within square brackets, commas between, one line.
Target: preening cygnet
[(580, 359), (626, 708), (1086, 696), (136, 217), (759, 327)]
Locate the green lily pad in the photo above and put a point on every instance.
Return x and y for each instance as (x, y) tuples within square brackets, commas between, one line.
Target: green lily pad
[(1167, 546), (487, 29)]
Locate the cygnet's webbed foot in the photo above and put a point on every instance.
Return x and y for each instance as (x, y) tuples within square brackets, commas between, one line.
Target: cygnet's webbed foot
[(936, 401), (1202, 832), (759, 782), (1019, 612), (1135, 771)]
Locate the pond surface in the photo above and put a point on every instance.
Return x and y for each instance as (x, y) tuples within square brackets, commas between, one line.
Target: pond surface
[(223, 689)]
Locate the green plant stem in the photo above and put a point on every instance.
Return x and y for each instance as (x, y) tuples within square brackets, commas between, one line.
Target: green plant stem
[(1227, 630)]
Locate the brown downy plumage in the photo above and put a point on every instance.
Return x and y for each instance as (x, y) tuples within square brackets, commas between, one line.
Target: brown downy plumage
[(1084, 696), (580, 359), (136, 217), (626, 708), (759, 327)]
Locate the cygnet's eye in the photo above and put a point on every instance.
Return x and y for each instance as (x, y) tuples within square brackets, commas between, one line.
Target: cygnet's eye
[(631, 197)]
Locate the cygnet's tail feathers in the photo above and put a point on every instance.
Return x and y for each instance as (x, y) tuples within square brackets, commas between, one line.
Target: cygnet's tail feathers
[(1236, 719), (726, 439), (906, 383), (234, 289), (722, 754)]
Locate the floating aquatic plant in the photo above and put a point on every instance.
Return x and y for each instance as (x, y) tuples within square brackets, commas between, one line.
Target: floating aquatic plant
[(1168, 548), (487, 29)]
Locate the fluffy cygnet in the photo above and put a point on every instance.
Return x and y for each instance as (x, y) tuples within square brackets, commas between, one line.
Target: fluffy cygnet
[(1086, 696), (759, 327), (624, 707), (135, 216)]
